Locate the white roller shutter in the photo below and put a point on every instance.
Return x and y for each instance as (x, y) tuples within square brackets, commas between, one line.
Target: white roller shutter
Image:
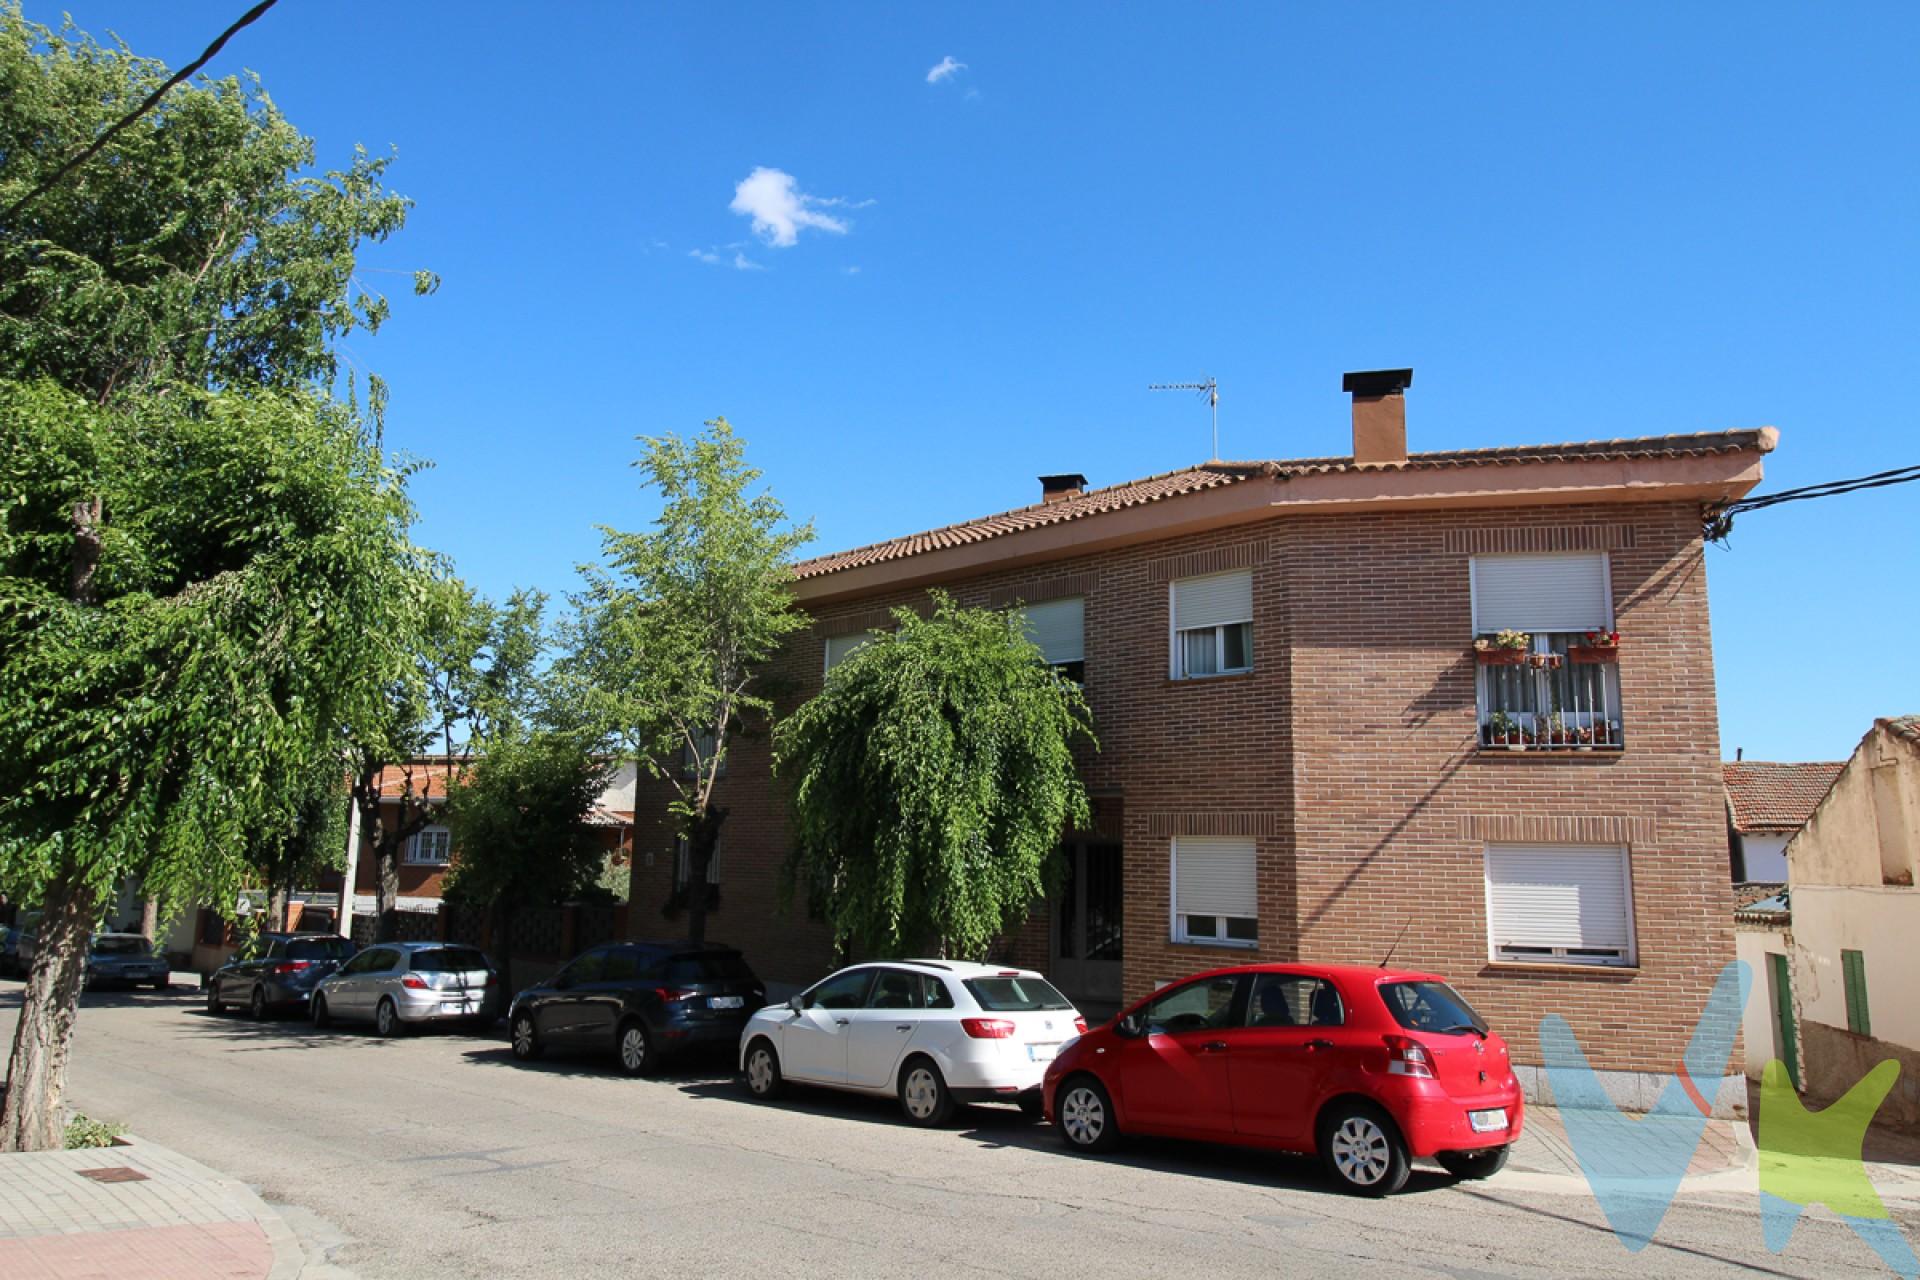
[(1059, 628), (839, 647), (1559, 592), (1215, 876), (1217, 600), (1572, 902)]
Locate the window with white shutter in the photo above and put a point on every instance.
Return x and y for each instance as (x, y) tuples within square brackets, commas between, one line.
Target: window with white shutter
[(1561, 689), (683, 864), (840, 648), (1560, 904), (1212, 625), (430, 847), (1059, 627), (1215, 890)]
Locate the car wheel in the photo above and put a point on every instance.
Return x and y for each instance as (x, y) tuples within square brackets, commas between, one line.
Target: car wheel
[(321, 1018), (1471, 1166), (386, 1019), (161, 984), (1083, 1113), (1033, 1104), (763, 1071), (1363, 1151), (213, 999), (635, 1048), (526, 1040), (924, 1097), (257, 1005)]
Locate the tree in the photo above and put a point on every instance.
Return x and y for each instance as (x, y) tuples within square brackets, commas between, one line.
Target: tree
[(933, 778), (673, 629), (518, 819), (205, 570), (171, 668)]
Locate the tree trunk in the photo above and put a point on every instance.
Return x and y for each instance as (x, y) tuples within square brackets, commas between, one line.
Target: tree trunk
[(37, 1072), (386, 889), (277, 908), (703, 835), (150, 921)]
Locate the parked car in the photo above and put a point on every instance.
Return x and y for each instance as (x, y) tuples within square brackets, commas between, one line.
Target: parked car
[(277, 971), (1366, 1068), (641, 1001), (17, 945), (399, 985), (934, 1033), (125, 959)]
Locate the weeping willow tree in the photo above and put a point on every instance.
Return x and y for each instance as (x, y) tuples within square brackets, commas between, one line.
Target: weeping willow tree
[(933, 778)]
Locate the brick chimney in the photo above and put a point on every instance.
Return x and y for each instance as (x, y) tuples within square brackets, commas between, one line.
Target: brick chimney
[(1060, 488), (1379, 414)]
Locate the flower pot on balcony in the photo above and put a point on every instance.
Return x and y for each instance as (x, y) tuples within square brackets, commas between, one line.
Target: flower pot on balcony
[(1593, 653), (1500, 657)]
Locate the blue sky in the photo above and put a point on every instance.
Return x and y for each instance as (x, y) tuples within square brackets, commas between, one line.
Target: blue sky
[(1573, 223)]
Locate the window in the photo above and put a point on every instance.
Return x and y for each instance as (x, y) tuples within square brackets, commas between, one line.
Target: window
[(683, 865), (1215, 890), (623, 965), (1555, 600), (584, 969), (895, 989), (696, 755), (1560, 904), (429, 847), (1015, 993), (1198, 1006), (378, 960), (841, 991), (362, 963), (319, 949), (450, 960), (840, 648), (934, 993), (1431, 1006), (1294, 1000), (708, 966), (1059, 627), (1213, 625), (1853, 969)]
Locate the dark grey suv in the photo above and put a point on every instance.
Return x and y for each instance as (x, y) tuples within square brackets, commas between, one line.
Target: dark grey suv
[(277, 971)]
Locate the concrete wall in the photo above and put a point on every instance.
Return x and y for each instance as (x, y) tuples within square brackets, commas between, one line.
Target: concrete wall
[(1882, 923), (1763, 858), (1752, 945)]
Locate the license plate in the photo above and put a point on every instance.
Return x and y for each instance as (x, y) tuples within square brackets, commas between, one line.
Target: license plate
[(1042, 1052), (455, 1006), (1488, 1121), (726, 1002)]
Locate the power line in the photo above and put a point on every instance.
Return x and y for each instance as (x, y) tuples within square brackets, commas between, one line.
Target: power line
[(47, 184), (1719, 519)]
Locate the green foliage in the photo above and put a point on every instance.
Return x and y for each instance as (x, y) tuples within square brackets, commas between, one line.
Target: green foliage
[(198, 247), (255, 587), (83, 1132), (933, 778), (517, 818)]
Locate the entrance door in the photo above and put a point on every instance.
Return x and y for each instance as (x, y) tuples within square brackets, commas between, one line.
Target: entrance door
[(1086, 927), (1785, 1042)]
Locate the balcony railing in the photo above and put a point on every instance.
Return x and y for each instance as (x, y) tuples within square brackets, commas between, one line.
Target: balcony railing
[(1550, 699)]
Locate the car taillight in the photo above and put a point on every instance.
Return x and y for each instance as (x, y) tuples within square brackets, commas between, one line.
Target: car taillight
[(292, 966), (669, 994), (987, 1028), (492, 978), (1079, 1026), (1406, 1057), (414, 982)]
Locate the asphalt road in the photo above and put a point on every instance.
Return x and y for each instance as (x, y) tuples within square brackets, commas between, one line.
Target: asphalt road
[(438, 1155)]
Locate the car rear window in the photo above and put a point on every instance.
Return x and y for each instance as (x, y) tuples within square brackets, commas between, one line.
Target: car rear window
[(319, 949), (1016, 994), (709, 966), (1431, 1006), (120, 946), (448, 960)]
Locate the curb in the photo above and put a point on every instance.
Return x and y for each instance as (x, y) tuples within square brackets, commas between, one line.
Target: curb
[(289, 1256)]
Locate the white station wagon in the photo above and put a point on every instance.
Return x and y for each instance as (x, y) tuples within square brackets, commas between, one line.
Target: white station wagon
[(934, 1033)]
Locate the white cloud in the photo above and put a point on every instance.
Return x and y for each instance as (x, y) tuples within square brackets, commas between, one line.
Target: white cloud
[(714, 258), (945, 69), (852, 271), (780, 210), (741, 262), (704, 255)]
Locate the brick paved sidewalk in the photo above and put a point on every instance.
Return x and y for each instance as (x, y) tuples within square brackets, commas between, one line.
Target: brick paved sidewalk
[(1543, 1146), (180, 1221)]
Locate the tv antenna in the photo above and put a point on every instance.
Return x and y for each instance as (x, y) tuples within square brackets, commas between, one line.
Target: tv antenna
[(1211, 390)]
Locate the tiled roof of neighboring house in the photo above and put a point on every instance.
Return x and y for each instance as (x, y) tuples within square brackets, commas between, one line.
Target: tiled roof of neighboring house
[(1764, 796), (1214, 475), (417, 777), (1754, 890), (1907, 727), (599, 817), (1774, 909)]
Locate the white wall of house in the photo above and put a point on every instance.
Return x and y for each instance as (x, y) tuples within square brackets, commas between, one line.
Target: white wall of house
[(1881, 923), (1764, 856), (1752, 945), (621, 789)]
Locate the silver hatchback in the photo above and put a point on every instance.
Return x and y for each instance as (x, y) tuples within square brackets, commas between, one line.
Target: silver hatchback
[(397, 985)]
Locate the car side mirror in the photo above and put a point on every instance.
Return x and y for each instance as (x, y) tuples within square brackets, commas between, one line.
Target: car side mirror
[(1133, 1026), (793, 1003)]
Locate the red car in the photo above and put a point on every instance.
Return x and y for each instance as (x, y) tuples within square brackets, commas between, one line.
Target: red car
[(1367, 1068)]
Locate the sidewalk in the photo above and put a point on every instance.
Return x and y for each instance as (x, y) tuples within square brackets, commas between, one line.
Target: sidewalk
[(146, 1212)]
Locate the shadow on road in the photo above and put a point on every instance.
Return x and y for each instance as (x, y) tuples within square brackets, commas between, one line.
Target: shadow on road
[(705, 1066), (292, 1029)]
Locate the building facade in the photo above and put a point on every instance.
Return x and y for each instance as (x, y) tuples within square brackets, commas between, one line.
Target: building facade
[(1304, 755)]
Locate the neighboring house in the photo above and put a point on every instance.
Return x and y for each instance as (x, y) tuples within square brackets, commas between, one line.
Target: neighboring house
[(1301, 754), (1766, 804), (1855, 967)]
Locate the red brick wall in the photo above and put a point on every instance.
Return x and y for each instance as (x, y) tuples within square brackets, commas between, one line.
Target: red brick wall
[(1348, 752)]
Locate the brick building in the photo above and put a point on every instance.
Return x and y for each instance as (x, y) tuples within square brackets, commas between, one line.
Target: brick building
[(1302, 752)]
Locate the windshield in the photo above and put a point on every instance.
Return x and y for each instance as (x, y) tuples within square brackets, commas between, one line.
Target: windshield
[(1431, 1006), (1015, 993), (319, 949), (121, 945), (709, 966), (449, 960)]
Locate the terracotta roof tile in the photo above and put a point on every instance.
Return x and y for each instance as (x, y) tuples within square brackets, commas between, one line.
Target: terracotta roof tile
[(1215, 475), (1764, 796)]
